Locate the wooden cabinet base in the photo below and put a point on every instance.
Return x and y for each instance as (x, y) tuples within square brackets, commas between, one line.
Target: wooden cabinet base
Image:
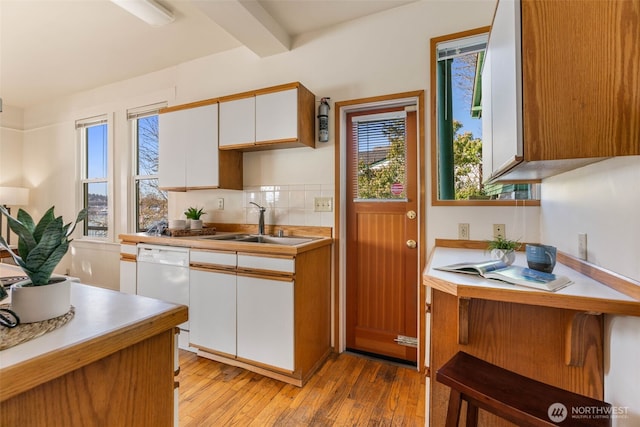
[(526, 339), (134, 386), (296, 378)]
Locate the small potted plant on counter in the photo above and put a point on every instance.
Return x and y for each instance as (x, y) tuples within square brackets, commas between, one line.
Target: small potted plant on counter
[(503, 249), (193, 216), (40, 248)]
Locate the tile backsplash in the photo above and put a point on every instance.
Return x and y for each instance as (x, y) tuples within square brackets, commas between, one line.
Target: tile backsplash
[(291, 204)]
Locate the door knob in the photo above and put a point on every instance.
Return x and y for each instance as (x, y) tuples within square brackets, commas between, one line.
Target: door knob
[(411, 214), (411, 244)]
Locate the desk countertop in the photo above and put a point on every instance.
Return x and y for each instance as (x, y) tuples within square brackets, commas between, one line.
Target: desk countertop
[(584, 294)]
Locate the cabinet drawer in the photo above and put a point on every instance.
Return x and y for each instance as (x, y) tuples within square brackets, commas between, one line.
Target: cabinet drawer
[(286, 265), (213, 257), (129, 249)]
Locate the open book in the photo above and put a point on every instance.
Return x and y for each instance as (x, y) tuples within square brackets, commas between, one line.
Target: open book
[(513, 274)]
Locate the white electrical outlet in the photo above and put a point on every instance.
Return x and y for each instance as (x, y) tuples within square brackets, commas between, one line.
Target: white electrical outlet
[(323, 204), (582, 246), (499, 231), (220, 204), (463, 231)]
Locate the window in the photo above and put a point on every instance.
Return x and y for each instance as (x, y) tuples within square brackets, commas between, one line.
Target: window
[(380, 147), (457, 62), (94, 175), (150, 203)]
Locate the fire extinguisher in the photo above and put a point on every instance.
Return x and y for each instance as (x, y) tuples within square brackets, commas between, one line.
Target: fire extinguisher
[(323, 118)]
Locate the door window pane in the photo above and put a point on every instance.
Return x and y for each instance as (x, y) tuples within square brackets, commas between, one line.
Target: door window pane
[(381, 151)]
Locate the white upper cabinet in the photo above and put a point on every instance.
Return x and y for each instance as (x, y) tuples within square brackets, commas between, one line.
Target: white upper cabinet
[(502, 70), (277, 117), (238, 122), (188, 151)]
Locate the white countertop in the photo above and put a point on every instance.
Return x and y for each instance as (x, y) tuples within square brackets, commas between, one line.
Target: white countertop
[(584, 293), (98, 312)]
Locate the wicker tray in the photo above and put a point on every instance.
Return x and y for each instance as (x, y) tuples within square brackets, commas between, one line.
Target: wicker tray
[(10, 337)]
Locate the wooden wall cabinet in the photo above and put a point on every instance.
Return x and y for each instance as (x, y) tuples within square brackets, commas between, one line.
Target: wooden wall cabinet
[(276, 117), (568, 94), (188, 150)]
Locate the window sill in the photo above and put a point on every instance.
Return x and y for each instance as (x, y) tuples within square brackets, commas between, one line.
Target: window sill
[(485, 202)]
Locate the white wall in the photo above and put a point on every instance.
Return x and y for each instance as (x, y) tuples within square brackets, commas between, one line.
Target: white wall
[(380, 54), (603, 200)]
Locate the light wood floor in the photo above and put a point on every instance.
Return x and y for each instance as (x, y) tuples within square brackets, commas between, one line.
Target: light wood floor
[(347, 391)]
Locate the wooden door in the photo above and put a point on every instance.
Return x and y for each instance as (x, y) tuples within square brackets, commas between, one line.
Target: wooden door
[(382, 233)]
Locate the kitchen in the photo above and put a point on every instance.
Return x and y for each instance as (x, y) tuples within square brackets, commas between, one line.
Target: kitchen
[(38, 151)]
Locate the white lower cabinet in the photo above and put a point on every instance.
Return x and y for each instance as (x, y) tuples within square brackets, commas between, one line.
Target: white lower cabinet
[(265, 321), (212, 310)]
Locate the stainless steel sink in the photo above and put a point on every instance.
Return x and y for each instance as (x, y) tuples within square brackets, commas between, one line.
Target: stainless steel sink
[(255, 238)]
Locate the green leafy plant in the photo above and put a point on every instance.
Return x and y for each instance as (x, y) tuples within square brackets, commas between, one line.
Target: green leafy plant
[(194, 213), (40, 246), (504, 244)]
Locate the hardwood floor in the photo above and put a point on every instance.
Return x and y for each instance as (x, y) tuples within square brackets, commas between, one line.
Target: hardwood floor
[(347, 391)]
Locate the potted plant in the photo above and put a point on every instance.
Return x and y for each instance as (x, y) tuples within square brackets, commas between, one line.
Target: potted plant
[(40, 248), (193, 215), (503, 249)]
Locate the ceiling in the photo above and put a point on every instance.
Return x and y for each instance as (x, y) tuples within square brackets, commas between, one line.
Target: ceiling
[(52, 48)]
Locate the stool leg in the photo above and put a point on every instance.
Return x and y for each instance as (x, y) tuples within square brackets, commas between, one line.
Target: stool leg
[(453, 412), (472, 415)]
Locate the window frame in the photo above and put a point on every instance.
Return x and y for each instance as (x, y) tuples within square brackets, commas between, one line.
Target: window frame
[(133, 115), (81, 126), (435, 201)]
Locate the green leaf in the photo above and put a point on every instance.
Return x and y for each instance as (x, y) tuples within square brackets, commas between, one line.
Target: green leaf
[(14, 255), (82, 215), (25, 236), (42, 275), (43, 223), (51, 239), (26, 220)]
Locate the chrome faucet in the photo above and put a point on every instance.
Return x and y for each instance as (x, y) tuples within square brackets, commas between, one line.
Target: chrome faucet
[(261, 220)]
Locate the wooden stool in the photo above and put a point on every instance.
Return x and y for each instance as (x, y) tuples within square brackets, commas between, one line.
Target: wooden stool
[(521, 400)]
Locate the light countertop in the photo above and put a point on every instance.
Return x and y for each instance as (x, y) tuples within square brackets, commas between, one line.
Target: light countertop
[(105, 321), (584, 294)]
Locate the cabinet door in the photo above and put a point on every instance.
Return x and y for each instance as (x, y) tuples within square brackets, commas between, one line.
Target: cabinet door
[(506, 77), (212, 310), (171, 149), (277, 116), (237, 122), (128, 277), (201, 145), (188, 148), (265, 321)]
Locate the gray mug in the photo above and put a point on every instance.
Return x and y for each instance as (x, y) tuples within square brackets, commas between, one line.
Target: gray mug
[(541, 257)]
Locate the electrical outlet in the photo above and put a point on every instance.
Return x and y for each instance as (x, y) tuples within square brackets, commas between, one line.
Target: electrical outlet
[(220, 204), (323, 204), (499, 231), (582, 246), (463, 231)]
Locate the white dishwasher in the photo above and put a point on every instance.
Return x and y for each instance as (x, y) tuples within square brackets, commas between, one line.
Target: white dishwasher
[(163, 273)]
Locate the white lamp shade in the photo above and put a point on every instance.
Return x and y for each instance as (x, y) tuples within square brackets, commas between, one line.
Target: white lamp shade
[(14, 196)]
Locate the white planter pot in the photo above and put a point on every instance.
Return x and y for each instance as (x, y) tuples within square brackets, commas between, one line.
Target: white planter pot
[(508, 257), (196, 224), (38, 303)]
